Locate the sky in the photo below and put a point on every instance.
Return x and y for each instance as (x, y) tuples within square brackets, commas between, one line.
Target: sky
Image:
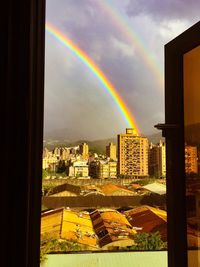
[(126, 40)]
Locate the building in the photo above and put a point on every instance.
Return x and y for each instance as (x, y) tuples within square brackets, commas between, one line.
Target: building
[(77, 169), (111, 151), (45, 152), (49, 162), (66, 224), (103, 169), (112, 228), (132, 154), (64, 190), (84, 151), (149, 220), (157, 160), (191, 165), (115, 190), (156, 188)]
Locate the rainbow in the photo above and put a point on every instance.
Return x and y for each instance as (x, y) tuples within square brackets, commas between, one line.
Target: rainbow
[(134, 40), (63, 39)]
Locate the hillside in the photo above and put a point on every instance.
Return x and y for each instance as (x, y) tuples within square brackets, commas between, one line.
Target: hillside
[(98, 146)]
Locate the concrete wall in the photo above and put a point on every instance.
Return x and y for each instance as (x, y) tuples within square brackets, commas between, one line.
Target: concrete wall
[(116, 259), (103, 201)]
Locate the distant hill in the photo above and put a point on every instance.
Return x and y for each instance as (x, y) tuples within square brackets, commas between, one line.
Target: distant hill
[(98, 146), (65, 134), (155, 138)]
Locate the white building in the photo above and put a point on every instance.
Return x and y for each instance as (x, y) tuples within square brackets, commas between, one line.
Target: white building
[(78, 169)]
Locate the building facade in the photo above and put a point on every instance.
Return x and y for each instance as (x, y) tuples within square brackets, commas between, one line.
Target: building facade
[(157, 160), (191, 164), (111, 151), (84, 151), (77, 169), (103, 169), (132, 154)]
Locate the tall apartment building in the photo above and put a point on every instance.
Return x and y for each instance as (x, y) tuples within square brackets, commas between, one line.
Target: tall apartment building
[(191, 164), (111, 151), (84, 151), (132, 154), (157, 160)]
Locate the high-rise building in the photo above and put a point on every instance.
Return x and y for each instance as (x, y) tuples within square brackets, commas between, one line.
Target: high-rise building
[(157, 160), (111, 151), (191, 165), (84, 151), (132, 154)]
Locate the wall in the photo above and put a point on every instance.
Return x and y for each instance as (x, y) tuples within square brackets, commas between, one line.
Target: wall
[(125, 259)]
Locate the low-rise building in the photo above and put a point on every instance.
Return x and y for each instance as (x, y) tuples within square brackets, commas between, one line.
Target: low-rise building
[(103, 169), (70, 225), (149, 220), (156, 188), (114, 190), (112, 228), (77, 169), (49, 163)]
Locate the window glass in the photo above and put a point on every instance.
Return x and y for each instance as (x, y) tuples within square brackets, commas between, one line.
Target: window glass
[(192, 150)]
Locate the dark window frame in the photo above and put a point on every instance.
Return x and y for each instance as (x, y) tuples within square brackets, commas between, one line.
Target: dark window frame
[(22, 80)]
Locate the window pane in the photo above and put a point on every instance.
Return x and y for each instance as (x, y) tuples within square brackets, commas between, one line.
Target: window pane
[(104, 164), (192, 151)]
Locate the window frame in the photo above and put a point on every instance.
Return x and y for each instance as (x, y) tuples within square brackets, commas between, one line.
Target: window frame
[(23, 35), (173, 130)]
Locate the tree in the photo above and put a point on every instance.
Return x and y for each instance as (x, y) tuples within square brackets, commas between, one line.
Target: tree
[(148, 241), (49, 244), (61, 166)]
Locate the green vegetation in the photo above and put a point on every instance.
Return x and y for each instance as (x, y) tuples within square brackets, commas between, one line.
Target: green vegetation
[(61, 168), (47, 188), (43, 208), (148, 241), (49, 244), (50, 174)]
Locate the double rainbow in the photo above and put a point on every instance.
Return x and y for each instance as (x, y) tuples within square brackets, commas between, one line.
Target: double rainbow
[(133, 39), (63, 39)]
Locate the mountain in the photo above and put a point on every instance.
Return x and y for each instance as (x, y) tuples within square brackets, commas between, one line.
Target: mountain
[(155, 138), (62, 138), (98, 146), (64, 134)]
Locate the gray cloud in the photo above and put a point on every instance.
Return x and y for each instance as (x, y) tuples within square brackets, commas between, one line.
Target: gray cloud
[(165, 10)]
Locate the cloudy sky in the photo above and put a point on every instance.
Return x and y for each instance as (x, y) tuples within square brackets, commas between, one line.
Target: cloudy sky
[(126, 40)]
